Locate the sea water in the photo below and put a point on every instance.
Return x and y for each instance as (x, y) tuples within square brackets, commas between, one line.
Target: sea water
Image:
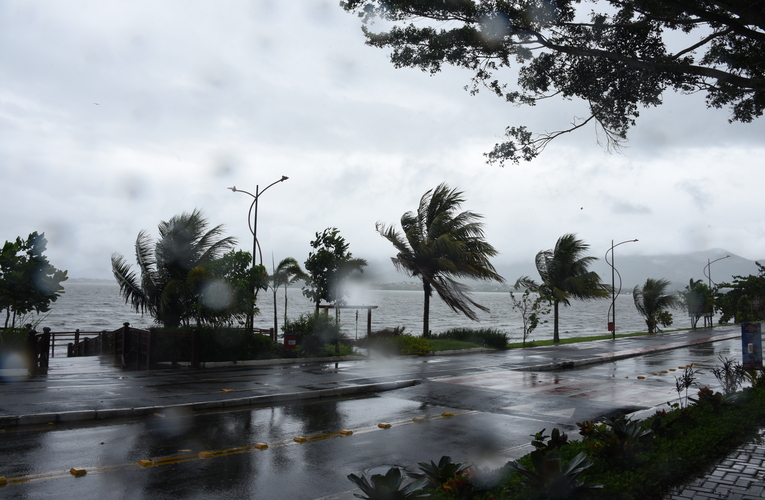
[(94, 307)]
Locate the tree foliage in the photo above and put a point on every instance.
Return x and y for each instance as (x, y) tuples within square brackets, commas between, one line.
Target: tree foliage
[(532, 305), (328, 265), (286, 273), (440, 244), (565, 275), (744, 301), (616, 56), (182, 276), (698, 300), (28, 282), (652, 302)]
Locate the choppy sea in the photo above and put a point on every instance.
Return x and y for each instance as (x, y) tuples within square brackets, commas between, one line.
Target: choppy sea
[(99, 306)]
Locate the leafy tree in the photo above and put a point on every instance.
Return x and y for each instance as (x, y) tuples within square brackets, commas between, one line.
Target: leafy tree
[(328, 265), (226, 296), (28, 282), (174, 270), (745, 299), (565, 275), (698, 300), (438, 245), (532, 309), (286, 273), (616, 57), (652, 300)]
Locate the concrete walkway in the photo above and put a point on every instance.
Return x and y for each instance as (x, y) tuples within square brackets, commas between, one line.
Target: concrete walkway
[(79, 389)]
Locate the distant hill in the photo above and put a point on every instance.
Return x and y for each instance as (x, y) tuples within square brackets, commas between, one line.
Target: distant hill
[(634, 269)]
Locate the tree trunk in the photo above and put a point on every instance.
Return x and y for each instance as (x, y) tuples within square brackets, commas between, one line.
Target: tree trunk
[(556, 338), (285, 305), (426, 310), (275, 312)]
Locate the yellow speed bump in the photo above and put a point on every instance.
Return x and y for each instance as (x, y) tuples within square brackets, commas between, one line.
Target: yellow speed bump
[(672, 370), (641, 377), (3, 481), (664, 371), (205, 454), (76, 471), (227, 390), (696, 364), (300, 439), (260, 446), (146, 463), (418, 419), (384, 425), (346, 432), (447, 414)]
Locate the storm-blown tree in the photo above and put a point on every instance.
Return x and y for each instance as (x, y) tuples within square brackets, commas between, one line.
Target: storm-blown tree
[(565, 275), (175, 270), (286, 273), (28, 282), (698, 300), (744, 298), (440, 244), (652, 302), (616, 56), (328, 265)]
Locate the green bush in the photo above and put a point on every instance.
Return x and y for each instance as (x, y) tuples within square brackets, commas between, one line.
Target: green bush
[(402, 344), (215, 344), (313, 333), (487, 337)]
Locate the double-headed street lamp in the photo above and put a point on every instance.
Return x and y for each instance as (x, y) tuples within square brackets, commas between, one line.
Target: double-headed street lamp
[(708, 270), (614, 293), (253, 225)]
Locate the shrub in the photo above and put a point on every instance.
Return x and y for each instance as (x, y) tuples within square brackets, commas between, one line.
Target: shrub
[(313, 333), (411, 345), (487, 337)]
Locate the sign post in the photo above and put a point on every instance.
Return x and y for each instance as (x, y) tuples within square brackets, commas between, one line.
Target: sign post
[(751, 345)]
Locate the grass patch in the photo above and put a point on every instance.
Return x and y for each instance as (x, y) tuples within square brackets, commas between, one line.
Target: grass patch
[(451, 345), (486, 337)]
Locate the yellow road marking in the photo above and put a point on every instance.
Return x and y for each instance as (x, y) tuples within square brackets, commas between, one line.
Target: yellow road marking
[(211, 454)]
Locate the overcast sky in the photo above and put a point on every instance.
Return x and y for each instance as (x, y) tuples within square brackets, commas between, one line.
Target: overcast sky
[(117, 115)]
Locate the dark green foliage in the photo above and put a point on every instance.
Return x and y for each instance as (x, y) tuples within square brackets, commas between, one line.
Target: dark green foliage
[(683, 383), (184, 275), (328, 265), (400, 344), (557, 440), (652, 300), (730, 374), (618, 439), (28, 282), (388, 486), (614, 56), (552, 478), (744, 298), (215, 344), (440, 245), (313, 333), (487, 337), (564, 271), (438, 474)]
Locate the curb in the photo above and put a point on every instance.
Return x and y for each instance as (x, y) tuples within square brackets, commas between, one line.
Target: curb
[(84, 415), (616, 356)]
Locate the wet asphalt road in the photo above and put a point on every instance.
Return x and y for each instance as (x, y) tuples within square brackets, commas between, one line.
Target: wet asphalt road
[(495, 410)]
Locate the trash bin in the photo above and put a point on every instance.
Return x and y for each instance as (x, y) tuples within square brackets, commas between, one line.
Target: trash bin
[(290, 342), (751, 346)]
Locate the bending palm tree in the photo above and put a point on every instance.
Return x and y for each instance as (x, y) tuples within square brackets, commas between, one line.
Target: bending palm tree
[(172, 268), (651, 301), (565, 275), (439, 245), (286, 273)]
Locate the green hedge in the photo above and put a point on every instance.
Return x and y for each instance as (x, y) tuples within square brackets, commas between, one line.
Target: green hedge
[(487, 337)]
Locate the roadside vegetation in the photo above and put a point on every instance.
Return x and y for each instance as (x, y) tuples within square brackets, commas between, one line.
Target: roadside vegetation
[(616, 458)]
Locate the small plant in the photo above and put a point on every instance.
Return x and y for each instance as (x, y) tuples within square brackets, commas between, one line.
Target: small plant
[(707, 397), (619, 439), (683, 383), (557, 440), (438, 474), (551, 478), (730, 375), (388, 487)]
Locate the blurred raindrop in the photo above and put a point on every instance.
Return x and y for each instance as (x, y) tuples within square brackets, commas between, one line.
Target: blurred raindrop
[(217, 295)]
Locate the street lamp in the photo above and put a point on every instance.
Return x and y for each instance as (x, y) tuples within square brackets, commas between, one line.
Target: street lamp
[(614, 293), (254, 230), (708, 270)]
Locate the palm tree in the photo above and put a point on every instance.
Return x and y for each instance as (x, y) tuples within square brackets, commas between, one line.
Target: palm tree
[(286, 273), (651, 301), (172, 269), (438, 245), (565, 275)]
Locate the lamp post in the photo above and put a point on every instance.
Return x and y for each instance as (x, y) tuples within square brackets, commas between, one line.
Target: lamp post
[(708, 270), (614, 294), (253, 225)]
